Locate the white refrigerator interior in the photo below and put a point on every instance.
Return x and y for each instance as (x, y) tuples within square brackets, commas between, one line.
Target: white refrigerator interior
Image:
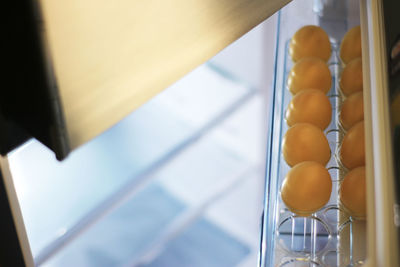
[(179, 182), (193, 177)]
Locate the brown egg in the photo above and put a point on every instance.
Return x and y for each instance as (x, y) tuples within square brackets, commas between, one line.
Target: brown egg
[(351, 80), (352, 110), (353, 193), (310, 41), (352, 151), (305, 142), (309, 73), (311, 106), (350, 47), (307, 188)]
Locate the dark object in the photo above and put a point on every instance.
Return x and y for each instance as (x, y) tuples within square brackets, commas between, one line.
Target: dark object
[(29, 105), (10, 249), (392, 34)]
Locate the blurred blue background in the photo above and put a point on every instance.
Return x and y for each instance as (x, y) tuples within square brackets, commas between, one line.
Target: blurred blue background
[(179, 182)]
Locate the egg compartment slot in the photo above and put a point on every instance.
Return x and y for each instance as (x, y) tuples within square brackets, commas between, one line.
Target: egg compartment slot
[(326, 237), (298, 262), (303, 236)]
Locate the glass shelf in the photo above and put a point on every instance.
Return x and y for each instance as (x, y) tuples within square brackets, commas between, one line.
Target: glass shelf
[(138, 192)]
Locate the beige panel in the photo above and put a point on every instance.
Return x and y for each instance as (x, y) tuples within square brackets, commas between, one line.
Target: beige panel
[(16, 212), (110, 57), (369, 158), (385, 249)]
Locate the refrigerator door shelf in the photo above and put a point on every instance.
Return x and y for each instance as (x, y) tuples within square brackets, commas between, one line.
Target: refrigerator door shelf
[(330, 236)]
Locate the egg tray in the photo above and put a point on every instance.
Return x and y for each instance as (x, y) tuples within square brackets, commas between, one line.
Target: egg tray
[(329, 237)]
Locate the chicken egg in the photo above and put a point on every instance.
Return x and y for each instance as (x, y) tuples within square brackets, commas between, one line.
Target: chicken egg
[(352, 151), (307, 188), (353, 193), (350, 47), (352, 110), (305, 142), (351, 80), (311, 106), (310, 41), (309, 73)]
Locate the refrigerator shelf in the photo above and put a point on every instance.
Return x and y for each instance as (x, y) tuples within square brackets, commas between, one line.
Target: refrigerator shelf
[(329, 237), (172, 176)]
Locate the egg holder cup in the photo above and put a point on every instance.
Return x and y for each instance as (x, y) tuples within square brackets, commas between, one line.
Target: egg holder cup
[(297, 262), (326, 237)]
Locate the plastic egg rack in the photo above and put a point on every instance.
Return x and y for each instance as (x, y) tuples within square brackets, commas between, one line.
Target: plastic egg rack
[(329, 237)]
